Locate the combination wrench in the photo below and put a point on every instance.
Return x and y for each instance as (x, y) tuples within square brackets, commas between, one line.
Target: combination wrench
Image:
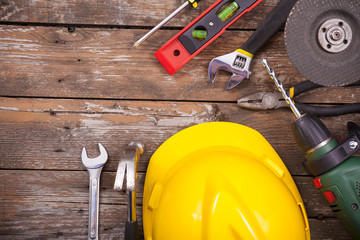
[(94, 167)]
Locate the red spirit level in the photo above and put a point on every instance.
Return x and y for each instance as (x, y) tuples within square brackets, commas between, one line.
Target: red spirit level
[(209, 25)]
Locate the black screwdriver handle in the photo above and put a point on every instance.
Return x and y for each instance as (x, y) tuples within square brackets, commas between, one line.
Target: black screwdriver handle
[(269, 27), (132, 231), (193, 2)]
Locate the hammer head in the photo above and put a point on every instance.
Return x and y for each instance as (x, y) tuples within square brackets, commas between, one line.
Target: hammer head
[(127, 168), (236, 62)]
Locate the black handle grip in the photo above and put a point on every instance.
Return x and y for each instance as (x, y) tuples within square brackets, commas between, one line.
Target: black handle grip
[(193, 2), (308, 85), (269, 27), (304, 87), (353, 128), (329, 111), (132, 231), (309, 132)]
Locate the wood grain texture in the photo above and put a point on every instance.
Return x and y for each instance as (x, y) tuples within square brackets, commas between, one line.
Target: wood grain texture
[(101, 63), (52, 132), (54, 205), (116, 13), (70, 78)]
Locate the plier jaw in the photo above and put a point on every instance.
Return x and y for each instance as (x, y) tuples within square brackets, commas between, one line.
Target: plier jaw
[(262, 101)]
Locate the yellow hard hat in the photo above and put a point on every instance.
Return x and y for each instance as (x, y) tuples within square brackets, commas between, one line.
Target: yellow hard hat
[(217, 181)]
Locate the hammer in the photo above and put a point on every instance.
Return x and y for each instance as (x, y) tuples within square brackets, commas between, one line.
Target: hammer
[(126, 181)]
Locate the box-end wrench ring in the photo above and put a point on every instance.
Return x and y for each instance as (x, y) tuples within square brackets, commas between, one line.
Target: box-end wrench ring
[(94, 167)]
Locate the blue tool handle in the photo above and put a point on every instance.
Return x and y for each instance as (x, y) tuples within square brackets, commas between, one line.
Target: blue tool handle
[(132, 231)]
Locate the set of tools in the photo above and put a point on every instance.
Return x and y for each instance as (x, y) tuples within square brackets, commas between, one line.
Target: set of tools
[(336, 171), (201, 32), (238, 62), (274, 100), (125, 181), (322, 42)]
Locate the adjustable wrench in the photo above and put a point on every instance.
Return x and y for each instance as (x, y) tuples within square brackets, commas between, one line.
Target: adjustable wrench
[(94, 167), (238, 62)]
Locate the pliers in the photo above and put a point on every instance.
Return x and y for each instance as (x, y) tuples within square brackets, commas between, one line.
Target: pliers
[(274, 100)]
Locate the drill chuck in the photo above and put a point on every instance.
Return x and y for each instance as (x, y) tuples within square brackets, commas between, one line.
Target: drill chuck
[(310, 133), (337, 172)]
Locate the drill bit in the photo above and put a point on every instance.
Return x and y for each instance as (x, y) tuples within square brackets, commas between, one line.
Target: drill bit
[(281, 88)]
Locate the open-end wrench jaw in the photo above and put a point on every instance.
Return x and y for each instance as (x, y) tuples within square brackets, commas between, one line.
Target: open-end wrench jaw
[(236, 63), (94, 162)]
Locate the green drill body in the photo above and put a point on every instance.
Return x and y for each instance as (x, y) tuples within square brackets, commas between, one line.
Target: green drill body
[(341, 187), (336, 170)]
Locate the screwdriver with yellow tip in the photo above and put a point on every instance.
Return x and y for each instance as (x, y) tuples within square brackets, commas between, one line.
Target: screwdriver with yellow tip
[(192, 2)]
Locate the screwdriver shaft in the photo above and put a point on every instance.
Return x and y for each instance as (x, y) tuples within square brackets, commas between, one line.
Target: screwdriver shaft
[(161, 24)]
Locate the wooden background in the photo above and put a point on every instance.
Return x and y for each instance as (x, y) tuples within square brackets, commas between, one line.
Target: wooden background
[(69, 78)]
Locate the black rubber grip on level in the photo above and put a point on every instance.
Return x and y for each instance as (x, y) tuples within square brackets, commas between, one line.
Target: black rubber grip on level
[(132, 231), (269, 27), (217, 25)]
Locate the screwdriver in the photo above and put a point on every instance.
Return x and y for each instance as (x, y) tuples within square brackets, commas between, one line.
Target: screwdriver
[(192, 2)]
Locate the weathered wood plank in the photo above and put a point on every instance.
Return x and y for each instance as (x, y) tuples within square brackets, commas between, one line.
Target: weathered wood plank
[(43, 185), (47, 204), (98, 63), (116, 13), (73, 187), (50, 133)]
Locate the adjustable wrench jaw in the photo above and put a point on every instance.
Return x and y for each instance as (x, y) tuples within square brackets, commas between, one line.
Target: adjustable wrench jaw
[(236, 62)]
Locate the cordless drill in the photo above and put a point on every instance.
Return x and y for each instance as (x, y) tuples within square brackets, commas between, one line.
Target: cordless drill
[(336, 171)]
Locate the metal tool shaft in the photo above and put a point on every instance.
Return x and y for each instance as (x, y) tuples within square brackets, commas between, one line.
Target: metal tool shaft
[(281, 89), (94, 167), (131, 211), (94, 186), (126, 180), (137, 43)]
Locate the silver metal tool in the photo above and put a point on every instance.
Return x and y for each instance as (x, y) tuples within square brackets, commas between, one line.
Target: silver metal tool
[(168, 18), (238, 62), (94, 167), (126, 181), (263, 101), (281, 89)]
